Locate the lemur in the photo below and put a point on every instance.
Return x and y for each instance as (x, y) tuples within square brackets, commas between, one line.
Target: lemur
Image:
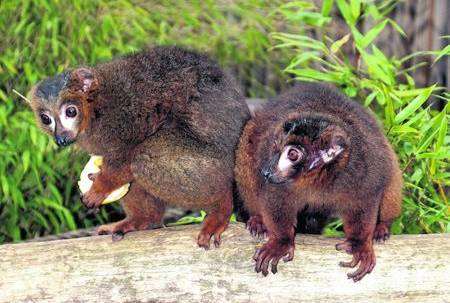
[(311, 149), (167, 120)]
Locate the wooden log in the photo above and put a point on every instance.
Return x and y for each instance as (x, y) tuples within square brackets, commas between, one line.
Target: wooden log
[(166, 265)]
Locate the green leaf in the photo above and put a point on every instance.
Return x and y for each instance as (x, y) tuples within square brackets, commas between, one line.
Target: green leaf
[(5, 186), (374, 12), (26, 160), (417, 175), (338, 44), (426, 141), (372, 34), (414, 105), (355, 8), (444, 52), (346, 12), (327, 5), (403, 129), (443, 128), (397, 27), (370, 98), (434, 155), (314, 74)]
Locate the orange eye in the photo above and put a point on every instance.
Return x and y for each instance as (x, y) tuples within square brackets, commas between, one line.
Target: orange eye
[(293, 155), (71, 112), (45, 119)]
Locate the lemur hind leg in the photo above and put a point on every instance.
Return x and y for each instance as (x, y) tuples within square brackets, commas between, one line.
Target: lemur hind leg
[(256, 227), (359, 226), (142, 211), (216, 221), (390, 206), (183, 172), (280, 221)]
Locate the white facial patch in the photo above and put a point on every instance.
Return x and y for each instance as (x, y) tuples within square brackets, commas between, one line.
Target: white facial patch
[(52, 125), (284, 163), (68, 123)]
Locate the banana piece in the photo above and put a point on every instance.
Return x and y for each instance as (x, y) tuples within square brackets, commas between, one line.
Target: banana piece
[(93, 167)]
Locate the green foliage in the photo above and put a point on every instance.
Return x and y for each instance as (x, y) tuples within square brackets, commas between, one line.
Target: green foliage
[(418, 132), (38, 192), (190, 219)]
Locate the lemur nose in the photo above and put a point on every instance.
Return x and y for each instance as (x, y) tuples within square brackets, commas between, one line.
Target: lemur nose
[(61, 140), (266, 174)]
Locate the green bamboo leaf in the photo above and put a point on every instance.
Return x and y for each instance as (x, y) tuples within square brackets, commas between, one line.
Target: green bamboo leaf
[(314, 74), (327, 5), (402, 129), (370, 98), (444, 52), (374, 12), (414, 105), (357, 36), (426, 141), (5, 186), (26, 160), (443, 128), (373, 33), (346, 12), (355, 6), (409, 92), (17, 197), (302, 58), (338, 44), (434, 155), (397, 27), (40, 219)]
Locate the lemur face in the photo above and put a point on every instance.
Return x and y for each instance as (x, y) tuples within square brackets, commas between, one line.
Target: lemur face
[(304, 146), (60, 104)]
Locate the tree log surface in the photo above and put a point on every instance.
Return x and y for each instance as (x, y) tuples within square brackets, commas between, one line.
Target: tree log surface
[(165, 265)]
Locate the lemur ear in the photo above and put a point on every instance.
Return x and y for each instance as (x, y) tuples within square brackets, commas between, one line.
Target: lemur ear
[(333, 143), (290, 126), (83, 80)]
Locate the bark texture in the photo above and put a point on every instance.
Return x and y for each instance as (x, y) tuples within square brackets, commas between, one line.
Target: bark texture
[(166, 265)]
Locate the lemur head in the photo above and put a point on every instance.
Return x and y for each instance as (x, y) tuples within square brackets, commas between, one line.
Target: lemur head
[(62, 103), (304, 145)]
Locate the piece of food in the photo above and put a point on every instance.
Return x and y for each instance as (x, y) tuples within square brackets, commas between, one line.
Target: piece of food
[(93, 167)]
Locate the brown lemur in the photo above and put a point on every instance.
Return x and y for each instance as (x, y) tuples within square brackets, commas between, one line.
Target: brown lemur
[(166, 120), (312, 149)]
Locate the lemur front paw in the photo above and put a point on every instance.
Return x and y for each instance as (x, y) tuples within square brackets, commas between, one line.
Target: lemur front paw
[(118, 229), (256, 227), (93, 198), (272, 252), (381, 233), (365, 257)]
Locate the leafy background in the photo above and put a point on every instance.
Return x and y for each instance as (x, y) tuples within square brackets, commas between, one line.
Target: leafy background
[(266, 44)]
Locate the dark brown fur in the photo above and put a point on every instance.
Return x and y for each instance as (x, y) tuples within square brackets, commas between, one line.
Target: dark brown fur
[(362, 185), (165, 119)]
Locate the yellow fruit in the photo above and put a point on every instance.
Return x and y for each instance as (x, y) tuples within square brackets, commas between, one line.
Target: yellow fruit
[(92, 167)]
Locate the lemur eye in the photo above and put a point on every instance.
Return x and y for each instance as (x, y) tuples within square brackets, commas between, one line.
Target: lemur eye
[(71, 112), (293, 154), (45, 119)]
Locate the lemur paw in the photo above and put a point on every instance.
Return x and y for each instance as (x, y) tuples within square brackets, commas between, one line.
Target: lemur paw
[(381, 233), (256, 227), (365, 257), (93, 198), (118, 229), (272, 252), (346, 246), (204, 238)]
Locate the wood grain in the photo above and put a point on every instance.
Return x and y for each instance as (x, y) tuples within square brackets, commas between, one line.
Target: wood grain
[(165, 265)]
